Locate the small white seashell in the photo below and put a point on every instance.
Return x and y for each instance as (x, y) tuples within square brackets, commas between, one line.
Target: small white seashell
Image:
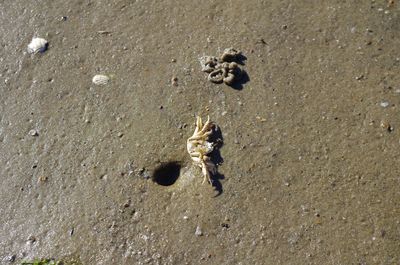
[(33, 132), (37, 45), (100, 79), (384, 104)]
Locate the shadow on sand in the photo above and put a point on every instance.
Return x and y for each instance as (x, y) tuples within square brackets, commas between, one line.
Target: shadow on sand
[(244, 78), (217, 159)]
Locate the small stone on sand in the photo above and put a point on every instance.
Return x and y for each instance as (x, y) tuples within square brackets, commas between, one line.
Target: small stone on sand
[(384, 104), (174, 81), (33, 132), (198, 231)]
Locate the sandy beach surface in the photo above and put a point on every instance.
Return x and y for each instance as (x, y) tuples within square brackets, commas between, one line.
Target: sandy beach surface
[(308, 158)]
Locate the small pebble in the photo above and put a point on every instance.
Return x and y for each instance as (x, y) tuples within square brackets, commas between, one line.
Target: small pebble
[(173, 60), (127, 204), (33, 132), (386, 125), (10, 258), (174, 81), (185, 217), (225, 225), (198, 231), (261, 119), (146, 175), (31, 239), (384, 104), (182, 126), (136, 216), (42, 179), (360, 77), (120, 134)]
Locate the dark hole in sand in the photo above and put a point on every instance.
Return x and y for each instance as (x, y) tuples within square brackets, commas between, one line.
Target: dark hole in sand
[(167, 173)]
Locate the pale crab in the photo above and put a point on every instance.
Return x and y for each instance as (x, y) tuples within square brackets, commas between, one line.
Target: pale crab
[(199, 148)]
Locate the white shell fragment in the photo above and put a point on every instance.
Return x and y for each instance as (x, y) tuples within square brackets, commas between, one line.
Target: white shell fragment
[(37, 45), (100, 79), (384, 104), (33, 132), (198, 231)]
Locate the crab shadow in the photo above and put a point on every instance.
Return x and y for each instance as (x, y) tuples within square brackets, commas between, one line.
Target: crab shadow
[(241, 59), (217, 159), (239, 84), (244, 78)]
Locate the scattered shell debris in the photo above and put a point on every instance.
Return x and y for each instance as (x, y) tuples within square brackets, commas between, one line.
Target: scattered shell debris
[(100, 79), (223, 69), (38, 45)]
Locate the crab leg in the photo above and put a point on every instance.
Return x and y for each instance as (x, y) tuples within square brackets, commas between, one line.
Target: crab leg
[(205, 172)]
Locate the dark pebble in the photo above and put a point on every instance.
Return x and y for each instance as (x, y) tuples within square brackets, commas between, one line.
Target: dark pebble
[(10, 258)]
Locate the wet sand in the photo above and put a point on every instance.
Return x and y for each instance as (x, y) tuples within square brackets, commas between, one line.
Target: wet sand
[(309, 163)]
